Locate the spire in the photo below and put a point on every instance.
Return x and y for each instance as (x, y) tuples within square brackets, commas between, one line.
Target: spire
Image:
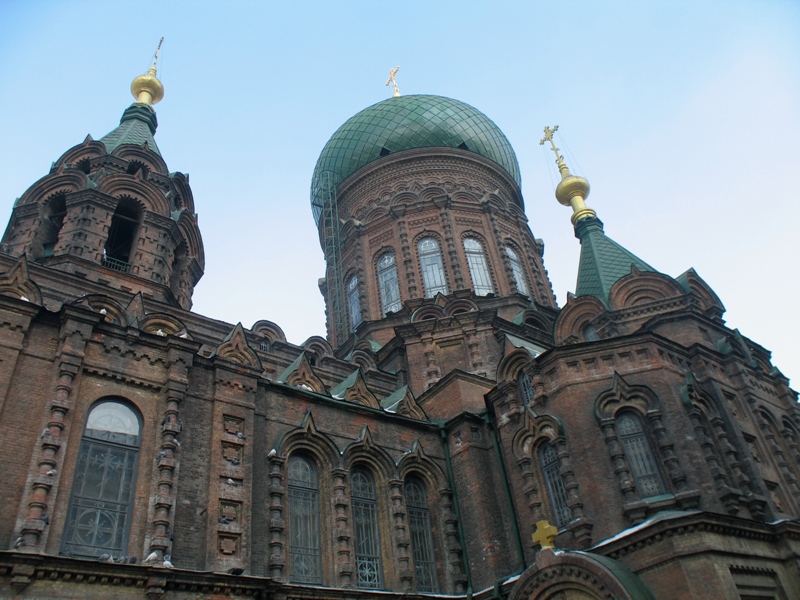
[(571, 190), (603, 261), (138, 123)]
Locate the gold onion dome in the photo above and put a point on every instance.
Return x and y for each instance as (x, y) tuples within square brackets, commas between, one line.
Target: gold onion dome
[(147, 89)]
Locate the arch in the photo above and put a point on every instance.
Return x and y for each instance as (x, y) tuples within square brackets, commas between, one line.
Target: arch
[(185, 198), (17, 283), (478, 264), (364, 451), (459, 306), (123, 234), (364, 360), (112, 311), (187, 224), (236, 349), (164, 323), (137, 154), (535, 428), (637, 398), (51, 220), (84, 151), (427, 311), (691, 282), (573, 318), (318, 346), (269, 331), (142, 191), (640, 287), (307, 438), (415, 461), (102, 497), (512, 364), (64, 182)]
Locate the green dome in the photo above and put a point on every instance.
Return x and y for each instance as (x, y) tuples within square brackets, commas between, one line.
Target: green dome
[(403, 123)]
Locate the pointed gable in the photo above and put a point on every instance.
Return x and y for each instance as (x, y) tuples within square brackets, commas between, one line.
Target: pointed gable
[(235, 349), (17, 282), (354, 389)]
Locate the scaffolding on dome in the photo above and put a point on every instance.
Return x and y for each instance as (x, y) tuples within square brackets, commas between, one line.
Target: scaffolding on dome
[(324, 206)]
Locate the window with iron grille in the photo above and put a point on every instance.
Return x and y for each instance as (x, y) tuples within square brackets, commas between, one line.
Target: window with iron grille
[(525, 388), (555, 484), (388, 284), (430, 262), (639, 455), (369, 570), (517, 271), (419, 525), (478, 267), (305, 561), (99, 514), (353, 302)]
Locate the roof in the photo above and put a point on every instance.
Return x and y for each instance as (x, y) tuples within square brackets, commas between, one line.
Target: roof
[(403, 123), (136, 127), (603, 261)]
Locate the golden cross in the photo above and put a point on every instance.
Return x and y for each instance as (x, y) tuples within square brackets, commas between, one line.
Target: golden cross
[(155, 58), (393, 81), (548, 137), (545, 533)]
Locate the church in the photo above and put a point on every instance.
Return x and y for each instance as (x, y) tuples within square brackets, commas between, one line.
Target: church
[(455, 433)]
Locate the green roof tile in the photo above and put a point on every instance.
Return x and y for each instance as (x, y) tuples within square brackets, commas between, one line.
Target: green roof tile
[(403, 123), (603, 261), (137, 126)]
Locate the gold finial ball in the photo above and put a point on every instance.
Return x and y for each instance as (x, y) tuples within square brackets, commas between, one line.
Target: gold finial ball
[(571, 187), (147, 89)]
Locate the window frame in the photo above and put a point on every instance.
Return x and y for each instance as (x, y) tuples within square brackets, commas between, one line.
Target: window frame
[(423, 555), (645, 451), (365, 505), (478, 265), (354, 315), (388, 306), (518, 270), (433, 266), (295, 492)]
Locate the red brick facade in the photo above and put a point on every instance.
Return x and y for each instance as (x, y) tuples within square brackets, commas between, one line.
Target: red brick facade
[(664, 444)]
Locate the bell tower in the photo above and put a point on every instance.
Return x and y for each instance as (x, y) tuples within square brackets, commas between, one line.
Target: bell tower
[(111, 214)]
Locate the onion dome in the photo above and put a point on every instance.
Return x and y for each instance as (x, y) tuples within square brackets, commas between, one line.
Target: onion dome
[(402, 123)]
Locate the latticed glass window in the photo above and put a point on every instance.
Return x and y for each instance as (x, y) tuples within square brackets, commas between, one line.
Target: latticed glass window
[(517, 271), (430, 262), (639, 455), (388, 283), (98, 518), (369, 569), (478, 268), (555, 484), (525, 388), (419, 525), (353, 302), (305, 561)]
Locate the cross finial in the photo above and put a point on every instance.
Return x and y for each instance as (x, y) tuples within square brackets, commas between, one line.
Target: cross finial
[(393, 81), (545, 534), (155, 56), (548, 137)]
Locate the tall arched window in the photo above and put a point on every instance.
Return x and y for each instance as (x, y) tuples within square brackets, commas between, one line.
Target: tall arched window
[(51, 224), (430, 262), (517, 271), (639, 455), (98, 519), (525, 386), (122, 235), (305, 560), (555, 484), (478, 268), (353, 302), (419, 525), (388, 284), (369, 571)]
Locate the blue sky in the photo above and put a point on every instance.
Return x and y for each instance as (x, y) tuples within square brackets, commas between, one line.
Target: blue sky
[(684, 116)]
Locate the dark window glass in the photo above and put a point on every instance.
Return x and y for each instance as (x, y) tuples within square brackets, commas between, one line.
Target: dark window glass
[(639, 455), (517, 270), (419, 525), (369, 569), (98, 518), (430, 262), (388, 283), (525, 388), (555, 484), (353, 302), (478, 267), (305, 560)]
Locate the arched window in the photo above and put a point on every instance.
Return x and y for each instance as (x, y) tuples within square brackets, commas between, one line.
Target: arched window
[(122, 235), (555, 484), (478, 268), (305, 561), (51, 224), (99, 515), (517, 271), (419, 525), (639, 455), (369, 571), (430, 262), (353, 302), (525, 388), (388, 283)]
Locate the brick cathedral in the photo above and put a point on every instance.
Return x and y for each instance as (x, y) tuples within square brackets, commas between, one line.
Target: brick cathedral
[(455, 433)]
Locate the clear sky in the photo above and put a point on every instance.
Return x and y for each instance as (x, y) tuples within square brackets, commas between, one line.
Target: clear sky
[(684, 116)]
